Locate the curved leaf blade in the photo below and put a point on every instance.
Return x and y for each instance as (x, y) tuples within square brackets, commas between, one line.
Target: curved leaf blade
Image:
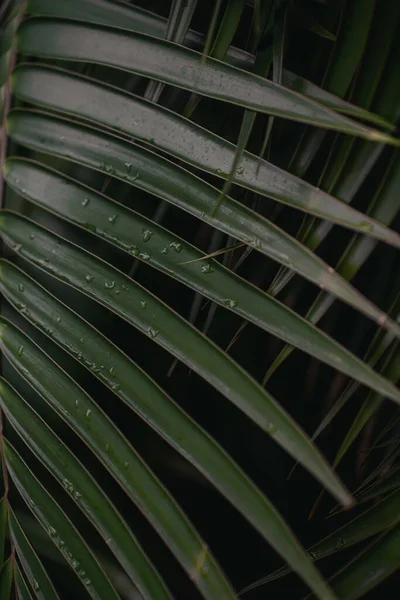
[(125, 298), (137, 19), (82, 488), (124, 228), (370, 568), (176, 65), (33, 568), (3, 527), (21, 585), (84, 417), (148, 171), (59, 528), (6, 579), (63, 91), (138, 392), (376, 519)]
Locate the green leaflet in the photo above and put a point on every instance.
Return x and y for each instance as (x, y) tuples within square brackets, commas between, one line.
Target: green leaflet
[(154, 174), (161, 412), (6, 579), (376, 519), (137, 19), (59, 528), (134, 476), (384, 208), (33, 568), (79, 484), (21, 585), (64, 91), (176, 65), (148, 241), (3, 527), (126, 298), (370, 568)]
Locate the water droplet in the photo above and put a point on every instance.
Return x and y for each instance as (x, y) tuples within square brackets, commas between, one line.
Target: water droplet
[(88, 413), (206, 268), (76, 403), (177, 246), (21, 287), (109, 284), (31, 236), (146, 235), (271, 428), (341, 542), (82, 340), (109, 169), (134, 250), (85, 201), (107, 447), (117, 292), (36, 586), (312, 555), (230, 303), (240, 170), (112, 371), (58, 319), (115, 387), (126, 465), (128, 166), (20, 351), (164, 250), (87, 582), (67, 484), (144, 256), (52, 532), (89, 278), (152, 332), (113, 219), (143, 303)]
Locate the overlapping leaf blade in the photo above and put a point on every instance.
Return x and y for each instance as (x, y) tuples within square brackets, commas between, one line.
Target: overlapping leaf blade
[(370, 568), (176, 65), (124, 228), (125, 297), (87, 494), (147, 171), (58, 526), (137, 19), (101, 435), (376, 519), (33, 568), (182, 139), (103, 438)]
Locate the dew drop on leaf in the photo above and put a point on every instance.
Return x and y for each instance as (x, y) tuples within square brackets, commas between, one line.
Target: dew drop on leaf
[(146, 235)]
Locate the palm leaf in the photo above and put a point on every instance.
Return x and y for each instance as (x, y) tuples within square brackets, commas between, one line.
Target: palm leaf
[(97, 136)]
